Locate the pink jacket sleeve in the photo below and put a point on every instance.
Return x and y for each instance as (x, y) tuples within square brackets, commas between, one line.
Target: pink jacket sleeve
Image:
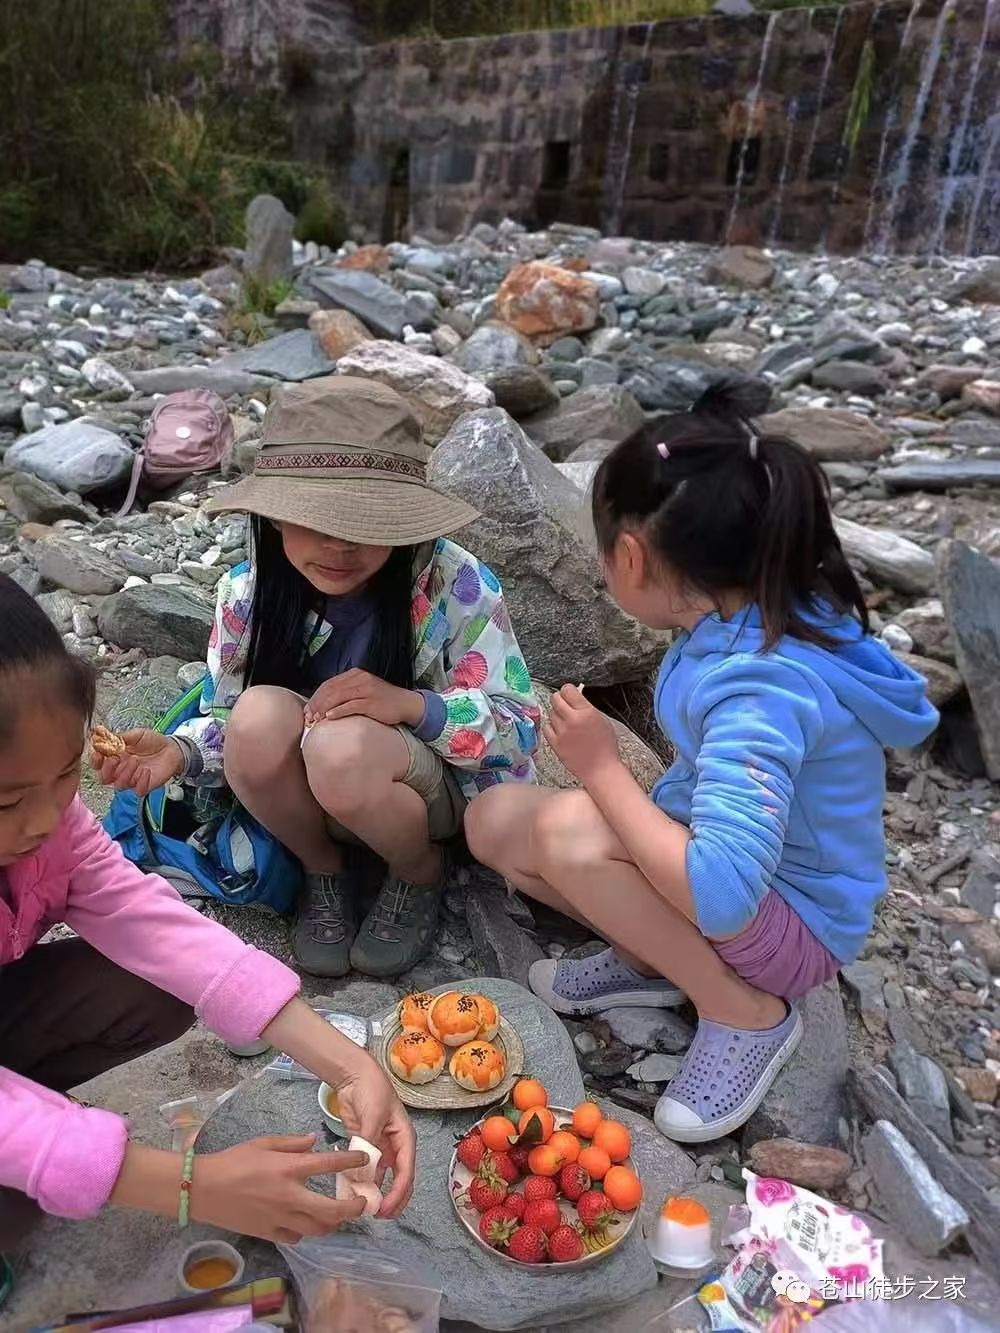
[(68, 1157)]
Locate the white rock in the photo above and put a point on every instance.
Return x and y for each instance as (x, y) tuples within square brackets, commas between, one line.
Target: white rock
[(106, 378), (973, 347), (896, 639), (644, 282), (826, 285), (608, 286)]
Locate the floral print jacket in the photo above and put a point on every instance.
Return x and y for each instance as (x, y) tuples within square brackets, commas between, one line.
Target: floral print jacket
[(482, 717)]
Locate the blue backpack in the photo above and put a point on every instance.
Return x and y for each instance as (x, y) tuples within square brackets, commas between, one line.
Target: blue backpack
[(231, 858)]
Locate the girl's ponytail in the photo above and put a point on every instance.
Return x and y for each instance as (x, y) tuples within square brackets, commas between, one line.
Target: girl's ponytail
[(729, 507)]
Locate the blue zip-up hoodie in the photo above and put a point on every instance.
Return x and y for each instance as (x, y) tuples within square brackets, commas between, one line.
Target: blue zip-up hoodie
[(780, 770)]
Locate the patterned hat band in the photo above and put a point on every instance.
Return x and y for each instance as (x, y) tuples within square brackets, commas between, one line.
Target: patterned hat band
[(313, 464)]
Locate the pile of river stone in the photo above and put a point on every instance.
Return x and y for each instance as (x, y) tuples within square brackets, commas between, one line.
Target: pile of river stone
[(527, 356)]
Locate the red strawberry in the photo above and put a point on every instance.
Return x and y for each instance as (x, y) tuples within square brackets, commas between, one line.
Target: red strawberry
[(470, 1150), (496, 1227), (515, 1204), (543, 1213), (501, 1164), (539, 1187), (595, 1210), (486, 1193), (573, 1181), (519, 1155), (565, 1245), (527, 1245)]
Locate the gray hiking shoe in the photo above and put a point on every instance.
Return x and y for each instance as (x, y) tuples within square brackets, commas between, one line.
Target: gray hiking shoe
[(399, 929), (323, 927)]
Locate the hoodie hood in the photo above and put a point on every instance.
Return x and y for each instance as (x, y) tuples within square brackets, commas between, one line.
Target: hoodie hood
[(885, 695)]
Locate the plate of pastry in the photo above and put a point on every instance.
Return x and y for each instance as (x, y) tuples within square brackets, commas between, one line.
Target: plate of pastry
[(450, 1051)]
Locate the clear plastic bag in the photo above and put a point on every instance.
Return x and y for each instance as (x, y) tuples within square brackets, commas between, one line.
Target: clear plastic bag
[(185, 1117), (351, 1026), (346, 1284)]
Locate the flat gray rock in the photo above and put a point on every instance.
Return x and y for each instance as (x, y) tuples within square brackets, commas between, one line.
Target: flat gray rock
[(926, 1214), (380, 307), (77, 566), (171, 379), (75, 456), (925, 1088), (502, 947), (887, 556), (34, 501), (429, 1238), (606, 410), (296, 355), (647, 1029), (942, 476), (806, 1100), (158, 619), (970, 591)]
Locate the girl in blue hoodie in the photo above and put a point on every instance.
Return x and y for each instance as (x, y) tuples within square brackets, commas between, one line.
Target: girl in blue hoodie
[(753, 871)]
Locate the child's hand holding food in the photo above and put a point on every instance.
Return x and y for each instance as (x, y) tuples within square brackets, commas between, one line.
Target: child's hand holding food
[(139, 761), (580, 734)]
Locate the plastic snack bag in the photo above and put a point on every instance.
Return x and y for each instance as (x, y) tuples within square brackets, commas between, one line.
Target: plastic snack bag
[(822, 1244)]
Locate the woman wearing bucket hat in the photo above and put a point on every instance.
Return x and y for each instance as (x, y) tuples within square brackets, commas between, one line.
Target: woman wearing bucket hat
[(365, 679)]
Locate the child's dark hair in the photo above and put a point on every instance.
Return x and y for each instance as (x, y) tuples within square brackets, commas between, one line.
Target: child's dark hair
[(34, 661), (729, 506), (283, 598)]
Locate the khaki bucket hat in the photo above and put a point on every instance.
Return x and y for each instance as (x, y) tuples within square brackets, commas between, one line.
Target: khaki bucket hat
[(344, 456)]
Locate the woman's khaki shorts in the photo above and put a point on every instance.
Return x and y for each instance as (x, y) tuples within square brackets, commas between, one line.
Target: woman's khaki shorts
[(432, 779)]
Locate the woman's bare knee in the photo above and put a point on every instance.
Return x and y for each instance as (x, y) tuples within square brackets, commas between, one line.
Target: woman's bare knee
[(349, 762), (264, 730)]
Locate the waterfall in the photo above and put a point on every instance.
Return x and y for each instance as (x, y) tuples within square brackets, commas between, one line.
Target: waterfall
[(901, 175), (751, 112), (624, 107), (821, 95), (891, 121), (983, 183), (956, 153), (791, 117)]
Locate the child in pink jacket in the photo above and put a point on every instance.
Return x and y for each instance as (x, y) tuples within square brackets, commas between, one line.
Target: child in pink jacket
[(142, 967)]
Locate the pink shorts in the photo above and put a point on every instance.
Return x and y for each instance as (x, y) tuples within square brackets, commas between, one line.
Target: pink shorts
[(778, 952)]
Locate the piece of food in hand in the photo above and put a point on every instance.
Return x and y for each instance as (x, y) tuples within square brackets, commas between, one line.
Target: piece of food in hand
[(477, 1066), (108, 744), (489, 1016), (454, 1018), (565, 1245), (359, 1181), (416, 1057), (413, 1010)]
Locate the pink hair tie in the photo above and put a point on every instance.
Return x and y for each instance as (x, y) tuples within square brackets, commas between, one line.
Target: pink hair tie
[(663, 451)]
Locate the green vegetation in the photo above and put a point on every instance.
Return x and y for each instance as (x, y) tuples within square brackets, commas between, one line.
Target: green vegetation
[(861, 98), (4, 300), (105, 160)]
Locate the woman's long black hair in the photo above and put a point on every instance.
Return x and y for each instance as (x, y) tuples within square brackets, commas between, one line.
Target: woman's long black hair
[(729, 506), (31, 646), (283, 599)]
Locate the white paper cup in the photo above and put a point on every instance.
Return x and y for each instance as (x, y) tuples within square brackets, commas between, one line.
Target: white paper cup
[(209, 1249)]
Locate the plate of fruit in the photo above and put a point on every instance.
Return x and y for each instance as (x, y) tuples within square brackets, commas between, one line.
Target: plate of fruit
[(449, 1051), (540, 1184)]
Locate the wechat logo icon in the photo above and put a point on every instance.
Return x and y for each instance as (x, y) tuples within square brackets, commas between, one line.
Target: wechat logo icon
[(790, 1286)]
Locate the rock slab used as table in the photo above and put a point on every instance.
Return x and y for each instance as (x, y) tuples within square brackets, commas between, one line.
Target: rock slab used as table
[(970, 591), (429, 1237)]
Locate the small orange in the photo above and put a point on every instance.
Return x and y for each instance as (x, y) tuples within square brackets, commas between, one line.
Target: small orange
[(623, 1188), (528, 1092), (614, 1138), (596, 1162), (567, 1145), (497, 1132), (586, 1117), (545, 1119), (544, 1161)]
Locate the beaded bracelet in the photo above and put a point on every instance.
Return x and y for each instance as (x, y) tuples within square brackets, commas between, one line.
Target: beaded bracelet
[(184, 1206)]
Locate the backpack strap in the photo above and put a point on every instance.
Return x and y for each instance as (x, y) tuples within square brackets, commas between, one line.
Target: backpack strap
[(133, 485)]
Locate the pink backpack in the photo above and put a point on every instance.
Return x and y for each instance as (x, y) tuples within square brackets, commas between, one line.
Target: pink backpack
[(188, 432)]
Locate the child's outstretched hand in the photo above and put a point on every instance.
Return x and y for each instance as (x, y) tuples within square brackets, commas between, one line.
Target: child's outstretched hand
[(581, 736), (149, 761)]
